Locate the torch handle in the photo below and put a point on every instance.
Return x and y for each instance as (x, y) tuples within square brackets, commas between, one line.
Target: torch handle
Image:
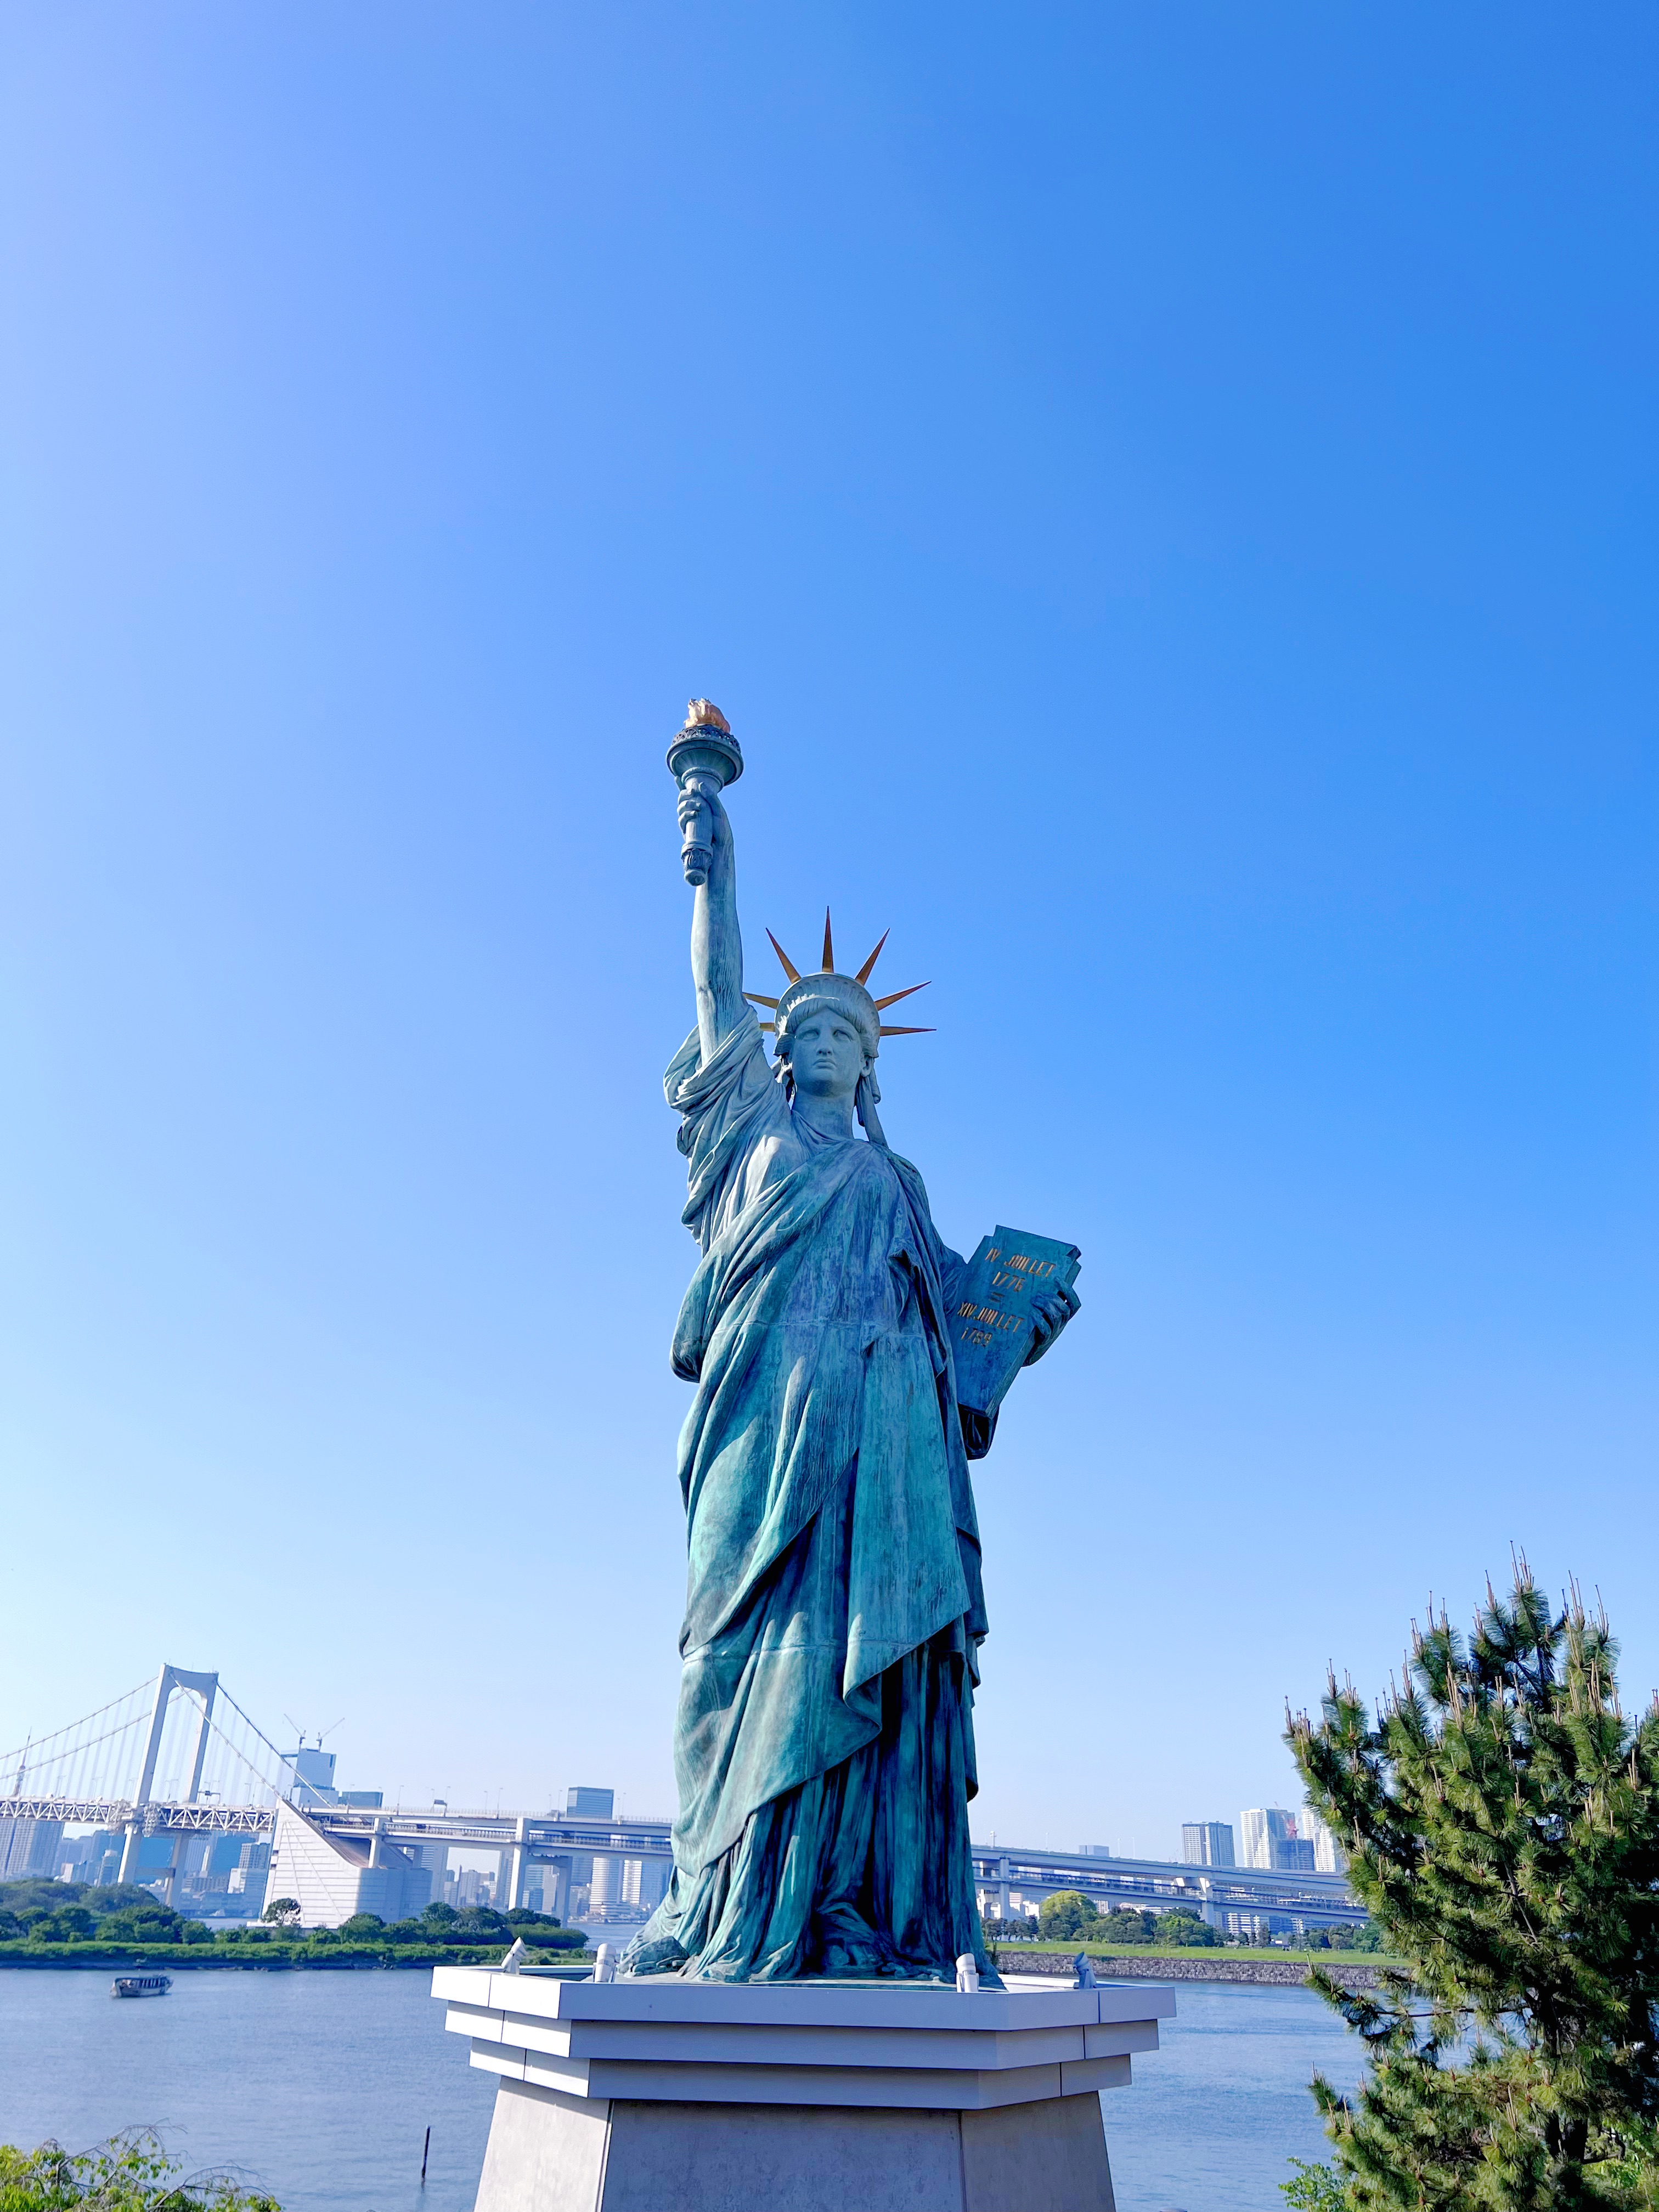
[(698, 852)]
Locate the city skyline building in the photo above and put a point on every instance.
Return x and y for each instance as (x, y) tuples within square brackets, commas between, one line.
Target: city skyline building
[(1283, 1842), (1328, 1857), (1261, 1830), (1207, 1843), (94, 1855), (315, 1768), (30, 1848)]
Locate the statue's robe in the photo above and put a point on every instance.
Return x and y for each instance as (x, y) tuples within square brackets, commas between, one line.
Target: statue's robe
[(824, 1744)]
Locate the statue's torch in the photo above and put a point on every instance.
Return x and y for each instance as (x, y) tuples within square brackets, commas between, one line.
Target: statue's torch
[(703, 759)]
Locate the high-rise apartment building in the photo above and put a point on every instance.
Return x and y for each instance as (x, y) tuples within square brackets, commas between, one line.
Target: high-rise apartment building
[(30, 1847), (1206, 1843), (1288, 1843), (1260, 1827), (1263, 1830), (1327, 1853)]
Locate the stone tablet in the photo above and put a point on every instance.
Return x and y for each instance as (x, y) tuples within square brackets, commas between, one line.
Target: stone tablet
[(991, 1318)]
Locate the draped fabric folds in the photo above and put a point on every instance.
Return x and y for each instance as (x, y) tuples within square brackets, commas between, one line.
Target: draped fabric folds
[(823, 1746)]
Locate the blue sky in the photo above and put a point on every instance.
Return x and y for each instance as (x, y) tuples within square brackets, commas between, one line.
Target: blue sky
[(1166, 497)]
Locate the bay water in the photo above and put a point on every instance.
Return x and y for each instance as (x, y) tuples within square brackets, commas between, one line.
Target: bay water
[(321, 2086)]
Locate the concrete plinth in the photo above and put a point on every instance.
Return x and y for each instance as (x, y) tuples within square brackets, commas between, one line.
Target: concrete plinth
[(796, 2096)]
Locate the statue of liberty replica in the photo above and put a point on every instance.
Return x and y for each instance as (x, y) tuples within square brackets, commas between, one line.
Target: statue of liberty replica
[(824, 1745)]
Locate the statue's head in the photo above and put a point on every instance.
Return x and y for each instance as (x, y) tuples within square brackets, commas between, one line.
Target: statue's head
[(828, 1033), (828, 1028)]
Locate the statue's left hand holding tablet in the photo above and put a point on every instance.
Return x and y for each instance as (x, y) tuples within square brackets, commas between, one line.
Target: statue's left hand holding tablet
[(1051, 1312)]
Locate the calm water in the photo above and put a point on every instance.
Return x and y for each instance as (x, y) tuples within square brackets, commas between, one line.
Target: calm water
[(322, 2086), (1214, 2114)]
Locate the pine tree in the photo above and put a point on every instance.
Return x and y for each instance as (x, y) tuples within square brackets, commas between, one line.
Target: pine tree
[(1502, 1822)]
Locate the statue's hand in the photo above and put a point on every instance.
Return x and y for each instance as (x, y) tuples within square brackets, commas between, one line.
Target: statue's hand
[(1051, 1312), (706, 802)]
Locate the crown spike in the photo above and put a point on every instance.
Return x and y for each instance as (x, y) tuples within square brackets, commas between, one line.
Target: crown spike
[(761, 999), (829, 946), (893, 997), (789, 966), (890, 1028), (863, 973)]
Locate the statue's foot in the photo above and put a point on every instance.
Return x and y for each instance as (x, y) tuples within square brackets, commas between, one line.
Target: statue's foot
[(857, 1961), (664, 1956)]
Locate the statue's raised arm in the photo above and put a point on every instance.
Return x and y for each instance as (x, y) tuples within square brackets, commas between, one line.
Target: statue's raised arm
[(716, 940), (705, 757)]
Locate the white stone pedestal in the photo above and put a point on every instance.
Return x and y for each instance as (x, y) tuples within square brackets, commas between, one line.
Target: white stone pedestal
[(660, 2095)]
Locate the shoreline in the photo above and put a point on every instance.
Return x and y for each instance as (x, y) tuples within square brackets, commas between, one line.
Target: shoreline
[(264, 1958), (1194, 1966)]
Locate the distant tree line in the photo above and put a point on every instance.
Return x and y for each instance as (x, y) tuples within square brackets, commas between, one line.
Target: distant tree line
[(442, 1923), (1069, 1917), (42, 1912)]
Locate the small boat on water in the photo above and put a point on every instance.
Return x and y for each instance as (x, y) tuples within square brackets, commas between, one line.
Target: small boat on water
[(141, 1985)]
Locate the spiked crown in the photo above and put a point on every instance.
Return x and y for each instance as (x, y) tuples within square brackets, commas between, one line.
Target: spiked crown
[(827, 986)]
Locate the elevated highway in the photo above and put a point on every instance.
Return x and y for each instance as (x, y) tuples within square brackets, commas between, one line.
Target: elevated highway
[(178, 1756), (1015, 1880), (1010, 1879)]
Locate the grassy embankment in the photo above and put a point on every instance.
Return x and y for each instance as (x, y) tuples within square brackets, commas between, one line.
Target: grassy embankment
[(1267, 1954)]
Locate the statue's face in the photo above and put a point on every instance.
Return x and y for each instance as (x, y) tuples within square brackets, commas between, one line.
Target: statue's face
[(826, 1056)]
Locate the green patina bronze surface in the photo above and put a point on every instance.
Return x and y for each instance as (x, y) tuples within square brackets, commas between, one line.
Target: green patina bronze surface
[(823, 1746)]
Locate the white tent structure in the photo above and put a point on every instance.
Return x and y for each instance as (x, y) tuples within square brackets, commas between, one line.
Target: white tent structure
[(334, 1876)]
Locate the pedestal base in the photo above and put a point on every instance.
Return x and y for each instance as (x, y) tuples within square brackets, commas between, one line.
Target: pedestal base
[(553, 2153), (660, 2095)]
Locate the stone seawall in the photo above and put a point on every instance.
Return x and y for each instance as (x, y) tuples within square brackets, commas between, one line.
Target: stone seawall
[(1198, 1967)]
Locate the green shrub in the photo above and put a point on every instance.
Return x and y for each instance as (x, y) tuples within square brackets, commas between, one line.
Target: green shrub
[(1314, 2188), (1120, 1925), (1184, 1927), (1068, 1916), (1501, 1818), (149, 1922), (130, 2173)]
